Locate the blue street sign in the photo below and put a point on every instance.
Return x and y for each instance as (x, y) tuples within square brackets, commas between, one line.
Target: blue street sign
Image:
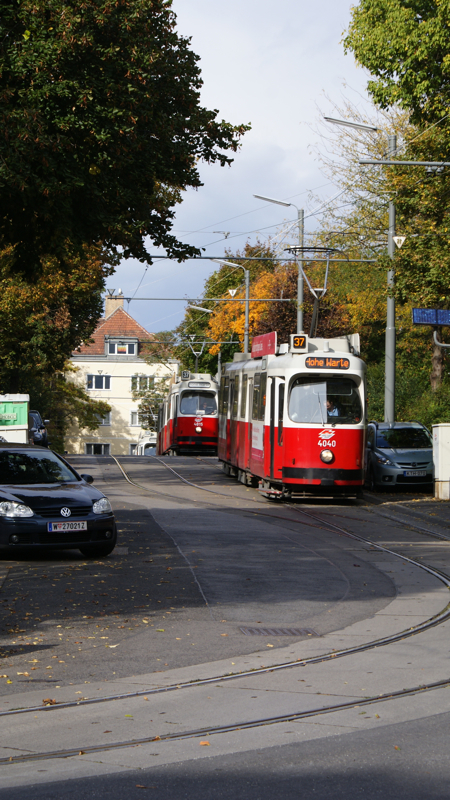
[(431, 316)]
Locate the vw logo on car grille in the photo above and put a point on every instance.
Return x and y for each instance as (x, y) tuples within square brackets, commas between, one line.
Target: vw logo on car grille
[(65, 512)]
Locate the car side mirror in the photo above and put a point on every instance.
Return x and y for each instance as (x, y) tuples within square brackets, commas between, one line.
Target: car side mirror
[(87, 478)]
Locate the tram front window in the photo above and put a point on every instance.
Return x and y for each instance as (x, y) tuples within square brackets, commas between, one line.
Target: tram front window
[(198, 403), (331, 401)]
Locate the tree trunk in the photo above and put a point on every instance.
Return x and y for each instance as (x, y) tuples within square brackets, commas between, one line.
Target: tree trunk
[(437, 366)]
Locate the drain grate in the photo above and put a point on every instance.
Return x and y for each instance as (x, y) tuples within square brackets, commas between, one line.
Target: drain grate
[(279, 632)]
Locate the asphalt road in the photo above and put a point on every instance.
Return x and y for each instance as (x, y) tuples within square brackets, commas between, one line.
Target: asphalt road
[(192, 572)]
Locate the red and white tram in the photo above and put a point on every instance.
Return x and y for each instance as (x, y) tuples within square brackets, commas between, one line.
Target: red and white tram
[(187, 419), (294, 417)]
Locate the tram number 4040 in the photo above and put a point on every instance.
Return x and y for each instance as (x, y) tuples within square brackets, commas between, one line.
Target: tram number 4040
[(331, 443)]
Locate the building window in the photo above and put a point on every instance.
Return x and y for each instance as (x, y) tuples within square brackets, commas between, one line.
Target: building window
[(135, 418), (105, 420), (97, 449), (133, 449), (98, 382), (122, 348), (141, 383)]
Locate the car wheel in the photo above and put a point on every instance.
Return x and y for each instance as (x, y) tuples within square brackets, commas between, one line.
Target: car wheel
[(98, 550)]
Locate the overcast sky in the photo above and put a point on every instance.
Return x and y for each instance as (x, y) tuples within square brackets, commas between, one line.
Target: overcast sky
[(272, 65)]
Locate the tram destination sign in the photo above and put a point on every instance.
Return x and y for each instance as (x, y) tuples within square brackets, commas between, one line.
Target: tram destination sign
[(264, 345), (326, 362), (431, 316)]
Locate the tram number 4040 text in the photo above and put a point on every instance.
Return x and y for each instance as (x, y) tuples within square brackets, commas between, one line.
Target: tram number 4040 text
[(327, 444)]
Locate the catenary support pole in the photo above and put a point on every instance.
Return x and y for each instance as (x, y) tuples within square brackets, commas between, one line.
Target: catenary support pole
[(247, 306), (389, 385), (301, 224)]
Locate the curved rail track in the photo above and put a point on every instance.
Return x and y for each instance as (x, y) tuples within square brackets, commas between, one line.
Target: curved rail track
[(437, 619)]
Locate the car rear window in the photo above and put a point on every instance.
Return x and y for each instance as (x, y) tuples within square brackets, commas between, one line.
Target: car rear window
[(28, 467), (412, 438)]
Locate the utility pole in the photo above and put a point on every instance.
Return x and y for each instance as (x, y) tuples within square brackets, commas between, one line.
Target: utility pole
[(301, 228), (389, 392)]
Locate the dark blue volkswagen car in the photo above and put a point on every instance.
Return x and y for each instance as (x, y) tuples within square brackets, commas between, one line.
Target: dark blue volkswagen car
[(45, 503)]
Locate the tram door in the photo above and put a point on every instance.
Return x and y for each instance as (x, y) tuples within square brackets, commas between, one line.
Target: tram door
[(277, 389), (249, 423), (175, 418), (234, 408)]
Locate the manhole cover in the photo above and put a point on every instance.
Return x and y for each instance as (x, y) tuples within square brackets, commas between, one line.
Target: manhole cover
[(279, 632)]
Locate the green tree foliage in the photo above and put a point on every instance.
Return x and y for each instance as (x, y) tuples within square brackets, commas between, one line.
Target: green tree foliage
[(149, 392), (64, 403), (101, 127), (356, 223), (42, 324), (406, 47)]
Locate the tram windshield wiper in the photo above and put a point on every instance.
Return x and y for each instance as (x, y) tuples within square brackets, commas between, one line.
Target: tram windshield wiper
[(320, 407)]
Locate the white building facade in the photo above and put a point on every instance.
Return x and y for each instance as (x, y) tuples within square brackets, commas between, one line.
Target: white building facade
[(109, 369)]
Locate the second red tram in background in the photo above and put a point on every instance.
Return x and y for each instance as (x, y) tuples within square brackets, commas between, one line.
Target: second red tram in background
[(187, 419), (293, 418)]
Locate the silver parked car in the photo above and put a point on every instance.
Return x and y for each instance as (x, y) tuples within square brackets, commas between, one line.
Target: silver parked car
[(399, 454)]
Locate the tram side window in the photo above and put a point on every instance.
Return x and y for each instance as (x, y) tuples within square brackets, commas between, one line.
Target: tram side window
[(262, 395), (223, 396), (325, 401), (255, 408), (244, 395), (236, 397), (280, 412)]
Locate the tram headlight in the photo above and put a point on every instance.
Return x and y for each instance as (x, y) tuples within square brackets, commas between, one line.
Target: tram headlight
[(327, 456), (198, 429)]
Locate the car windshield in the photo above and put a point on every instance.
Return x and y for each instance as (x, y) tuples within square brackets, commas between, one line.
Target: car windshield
[(330, 401), (410, 438), (198, 402), (21, 468)]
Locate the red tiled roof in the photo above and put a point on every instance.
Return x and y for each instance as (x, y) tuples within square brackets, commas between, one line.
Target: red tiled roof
[(119, 323)]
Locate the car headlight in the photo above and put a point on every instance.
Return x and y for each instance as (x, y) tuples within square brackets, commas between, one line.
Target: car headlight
[(385, 461), (15, 510), (102, 506)]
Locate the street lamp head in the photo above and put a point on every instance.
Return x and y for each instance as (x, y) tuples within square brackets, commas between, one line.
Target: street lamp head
[(351, 124), (199, 308), (271, 200), (228, 264)]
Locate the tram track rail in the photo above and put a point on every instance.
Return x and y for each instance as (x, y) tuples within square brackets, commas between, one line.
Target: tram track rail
[(433, 621), (220, 729)]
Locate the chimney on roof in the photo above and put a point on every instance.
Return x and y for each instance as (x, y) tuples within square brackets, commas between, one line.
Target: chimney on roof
[(113, 302)]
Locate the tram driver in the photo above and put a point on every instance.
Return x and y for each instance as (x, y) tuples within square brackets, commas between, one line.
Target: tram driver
[(332, 409)]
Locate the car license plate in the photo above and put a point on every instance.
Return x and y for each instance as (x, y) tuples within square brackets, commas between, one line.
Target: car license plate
[(414, 473), (67, 526)]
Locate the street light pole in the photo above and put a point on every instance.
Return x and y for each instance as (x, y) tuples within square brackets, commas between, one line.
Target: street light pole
[(390, 343), (301, 232), (389, 378), (247, 298), (299, 255)]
